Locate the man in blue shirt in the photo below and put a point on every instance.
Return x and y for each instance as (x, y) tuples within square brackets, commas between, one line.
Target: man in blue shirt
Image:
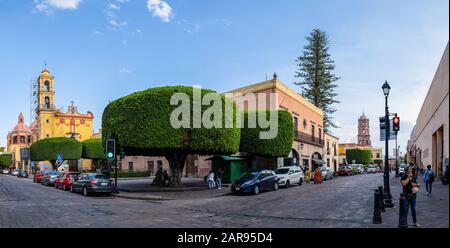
[(428, 178)]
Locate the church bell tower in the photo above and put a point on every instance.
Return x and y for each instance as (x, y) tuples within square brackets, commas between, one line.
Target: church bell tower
[(45, 92)]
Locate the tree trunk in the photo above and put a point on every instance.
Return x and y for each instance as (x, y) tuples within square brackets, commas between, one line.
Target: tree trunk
[(176, 164)]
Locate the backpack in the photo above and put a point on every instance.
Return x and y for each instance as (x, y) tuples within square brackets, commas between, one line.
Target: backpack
[(431, 177)]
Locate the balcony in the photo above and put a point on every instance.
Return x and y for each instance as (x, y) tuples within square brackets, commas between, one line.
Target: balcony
[(44, 107), (308, 139)]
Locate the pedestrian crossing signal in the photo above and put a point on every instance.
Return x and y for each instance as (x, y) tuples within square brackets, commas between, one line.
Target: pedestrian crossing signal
[(396, 123), (110, 149)]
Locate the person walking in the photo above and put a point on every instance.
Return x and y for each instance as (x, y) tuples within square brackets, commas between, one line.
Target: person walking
[(428, 178), (159, 177), (308, 175), (410, 188), (211, 180), (218, 180)]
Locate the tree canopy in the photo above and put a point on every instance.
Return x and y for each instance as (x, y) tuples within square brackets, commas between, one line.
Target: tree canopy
[(48, 149), (93, 149), (5, 160), (315, 67), (280, 146), (141, 124), (359, 156)]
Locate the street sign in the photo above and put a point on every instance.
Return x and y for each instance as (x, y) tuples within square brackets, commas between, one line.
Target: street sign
[(392, 134), (59, 158)]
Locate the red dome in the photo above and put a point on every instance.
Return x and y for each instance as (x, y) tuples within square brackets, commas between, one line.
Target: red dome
[(21, 127)]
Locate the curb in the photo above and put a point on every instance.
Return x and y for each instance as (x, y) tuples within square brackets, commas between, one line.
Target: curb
[(142, 198), (162, 190)]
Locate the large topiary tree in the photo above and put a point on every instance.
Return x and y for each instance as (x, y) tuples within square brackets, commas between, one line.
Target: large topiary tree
[(280, 146), (5, 160), (48, 149), (359, 156), (93, 149), (141, 125)]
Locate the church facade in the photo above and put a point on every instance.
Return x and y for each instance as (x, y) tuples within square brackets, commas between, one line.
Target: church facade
[(53, 122)]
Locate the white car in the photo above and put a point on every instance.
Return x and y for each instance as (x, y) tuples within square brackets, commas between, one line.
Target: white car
[(358, 167), (327, 173), (372, 169), (5, 171), (290, 175)]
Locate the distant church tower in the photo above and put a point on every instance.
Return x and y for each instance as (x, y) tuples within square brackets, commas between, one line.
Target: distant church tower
[(363, 130)]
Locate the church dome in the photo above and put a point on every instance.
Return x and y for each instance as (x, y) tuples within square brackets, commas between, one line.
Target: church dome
[(45, 72), (21, 127)]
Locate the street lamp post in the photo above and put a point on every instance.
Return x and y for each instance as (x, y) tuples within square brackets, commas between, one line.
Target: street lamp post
[(387, 191), (396, 156)]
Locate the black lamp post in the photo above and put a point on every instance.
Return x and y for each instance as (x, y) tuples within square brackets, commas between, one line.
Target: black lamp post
[(122, 155), (387, 191), (396, 156)]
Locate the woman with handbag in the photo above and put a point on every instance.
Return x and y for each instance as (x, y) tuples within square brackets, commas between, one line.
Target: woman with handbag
[(410, 189)]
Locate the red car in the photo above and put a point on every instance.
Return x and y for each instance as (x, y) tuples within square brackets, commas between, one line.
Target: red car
[(345, 171), (65, 181), (379, 170), (38, 177)]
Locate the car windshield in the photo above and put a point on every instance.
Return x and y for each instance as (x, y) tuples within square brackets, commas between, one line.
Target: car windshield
[(54, 173), (249, 175), (282, 171), (100, 176)]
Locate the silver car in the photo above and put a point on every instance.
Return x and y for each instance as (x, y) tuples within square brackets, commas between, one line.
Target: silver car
[(327, 173), (49, 178), (91, 183)]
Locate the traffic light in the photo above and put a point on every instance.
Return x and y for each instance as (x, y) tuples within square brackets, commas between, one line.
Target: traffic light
[(396, 123), (110, 149)]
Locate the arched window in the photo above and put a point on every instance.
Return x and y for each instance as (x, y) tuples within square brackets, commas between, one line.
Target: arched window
[(47, 102), (47, 85)]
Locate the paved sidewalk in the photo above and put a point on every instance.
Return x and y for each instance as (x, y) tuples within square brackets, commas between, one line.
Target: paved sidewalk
[(431, 211)]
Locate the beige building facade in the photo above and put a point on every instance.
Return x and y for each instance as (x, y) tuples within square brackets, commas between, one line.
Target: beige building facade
[(331, 151), (307, 148), (432, 124)]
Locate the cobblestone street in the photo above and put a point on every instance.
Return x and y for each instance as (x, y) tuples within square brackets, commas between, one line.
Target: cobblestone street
[(342, 202)]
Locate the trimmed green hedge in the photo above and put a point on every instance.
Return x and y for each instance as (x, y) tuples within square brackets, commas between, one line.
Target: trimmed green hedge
[(93, 149), (360, 156), (48, 149), (140, 122), (5, 160), (280, 146), (378, 161)]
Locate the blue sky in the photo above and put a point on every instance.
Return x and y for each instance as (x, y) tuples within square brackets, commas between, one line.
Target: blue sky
[(101, 50)]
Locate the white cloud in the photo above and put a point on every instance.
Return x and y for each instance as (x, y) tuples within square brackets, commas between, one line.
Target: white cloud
[(160, 9), (47, 6), (125, 71), (118, 24)]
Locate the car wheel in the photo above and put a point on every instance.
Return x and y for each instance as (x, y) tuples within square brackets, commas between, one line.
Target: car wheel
[(275, 186), (300, 182), (288, 184), (85, 191), (256, 190)]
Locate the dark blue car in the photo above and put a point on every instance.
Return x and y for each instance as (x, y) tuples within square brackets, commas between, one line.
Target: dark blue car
[(255, 182)]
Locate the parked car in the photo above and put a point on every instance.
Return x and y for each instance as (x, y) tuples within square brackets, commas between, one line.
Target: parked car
[(49, 178), (289, 175), (91, 183), (22, 174), (401, 169), (379, 170), (372, 169), (66, 180), (345, 170), (355, 169), (5, 171), (38, 177), (15, 172), (255, 182), (327, 173)]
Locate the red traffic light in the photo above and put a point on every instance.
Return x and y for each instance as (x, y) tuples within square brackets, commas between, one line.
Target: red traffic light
[(395, 120)]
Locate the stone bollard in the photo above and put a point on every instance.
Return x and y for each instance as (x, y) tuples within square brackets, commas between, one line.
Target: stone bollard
[(402, 218), (376, 208), (380, 190)]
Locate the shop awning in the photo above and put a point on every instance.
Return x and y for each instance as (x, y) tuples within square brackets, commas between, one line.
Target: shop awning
[(225, 158)]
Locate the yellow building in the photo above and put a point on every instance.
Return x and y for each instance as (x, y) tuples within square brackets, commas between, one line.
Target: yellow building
[(52, 122)]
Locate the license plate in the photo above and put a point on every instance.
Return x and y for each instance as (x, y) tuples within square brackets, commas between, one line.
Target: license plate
[(103, 184), (237, 188)]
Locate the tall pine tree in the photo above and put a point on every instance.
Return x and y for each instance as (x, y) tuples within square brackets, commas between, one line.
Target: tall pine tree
[(315, 68)]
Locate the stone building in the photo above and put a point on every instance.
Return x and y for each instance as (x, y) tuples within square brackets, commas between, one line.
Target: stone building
[(17, 139), (431, 141), (330, 151)]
